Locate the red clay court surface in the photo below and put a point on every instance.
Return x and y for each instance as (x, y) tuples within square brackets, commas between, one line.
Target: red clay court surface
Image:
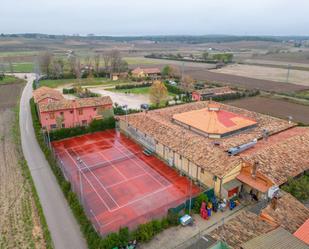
[(120, 186)]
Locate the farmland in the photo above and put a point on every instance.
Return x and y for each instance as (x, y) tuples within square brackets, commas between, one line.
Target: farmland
[(20, 225), (274, 107), (298, 77)]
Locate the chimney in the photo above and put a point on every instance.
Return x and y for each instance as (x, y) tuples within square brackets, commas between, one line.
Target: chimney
[(265, 134), (254, 169), (274, 203)]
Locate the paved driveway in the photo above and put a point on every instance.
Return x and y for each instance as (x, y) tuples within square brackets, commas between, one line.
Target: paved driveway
[(133, 101), (64, 229)]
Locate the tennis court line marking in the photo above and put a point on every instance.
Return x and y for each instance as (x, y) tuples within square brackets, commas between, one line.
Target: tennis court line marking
[(97, 181), (90, 184), (128, 179), (143, 168), (143, 197), (113, 166)]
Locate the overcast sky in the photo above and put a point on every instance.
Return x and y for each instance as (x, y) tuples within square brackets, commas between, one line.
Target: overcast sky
[(156, 17)]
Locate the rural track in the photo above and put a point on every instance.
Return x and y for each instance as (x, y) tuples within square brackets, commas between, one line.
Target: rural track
[(64, 229)]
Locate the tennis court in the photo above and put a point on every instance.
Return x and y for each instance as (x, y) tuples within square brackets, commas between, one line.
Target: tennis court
[(117, 184)]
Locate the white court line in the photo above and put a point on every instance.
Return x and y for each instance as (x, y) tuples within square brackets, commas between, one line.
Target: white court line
[(97, 181), (145, 196), (90, 183), (114, 167), (128, 179), (108, 223), (146, 171)]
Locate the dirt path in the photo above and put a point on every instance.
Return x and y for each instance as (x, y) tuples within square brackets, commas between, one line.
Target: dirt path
[(19, 219)]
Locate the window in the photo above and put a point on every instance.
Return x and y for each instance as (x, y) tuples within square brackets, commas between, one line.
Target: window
[(53, 126), (52, 115), (95, 109), (202, 171), (84, 122), (63, 125), (71, 111), (80, 111), (61, 114)]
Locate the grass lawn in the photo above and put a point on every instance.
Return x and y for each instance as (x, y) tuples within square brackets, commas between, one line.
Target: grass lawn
[(9, 80), (137, 90), (83, 82), (23, 67)]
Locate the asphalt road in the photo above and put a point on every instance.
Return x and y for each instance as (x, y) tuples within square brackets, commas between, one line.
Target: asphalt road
[(64, 228)]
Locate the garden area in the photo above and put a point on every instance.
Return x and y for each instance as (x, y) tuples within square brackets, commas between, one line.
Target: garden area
[(298, 187), (8, 79)]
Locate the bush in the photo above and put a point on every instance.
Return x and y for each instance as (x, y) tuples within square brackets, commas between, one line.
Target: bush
[(173, 89), (95, 125), (68, 90), (172, 218), (299, 188), (131, 86), (198, 202)]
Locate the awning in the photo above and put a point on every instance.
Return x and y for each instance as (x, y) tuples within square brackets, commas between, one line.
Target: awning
[(231, 184), (256, 183)]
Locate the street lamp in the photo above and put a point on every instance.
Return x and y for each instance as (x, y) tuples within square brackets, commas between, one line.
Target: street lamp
[(126, 108)]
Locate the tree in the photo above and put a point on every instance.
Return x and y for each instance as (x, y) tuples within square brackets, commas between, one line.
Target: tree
[(78, 69), (45, 60), (158, 93), (57, 68), (166, 71), (97, 58), (106, 59), (187, 82), (205, 56)]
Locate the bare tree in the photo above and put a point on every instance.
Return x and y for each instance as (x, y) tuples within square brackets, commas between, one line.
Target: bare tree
[(72, 62), (106, 59), (97, 58), (45, 60), (115, 61), (78, 69), (57, 68), (187, 82)]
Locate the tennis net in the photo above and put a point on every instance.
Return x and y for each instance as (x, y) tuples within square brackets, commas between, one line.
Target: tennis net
[(85, 168)]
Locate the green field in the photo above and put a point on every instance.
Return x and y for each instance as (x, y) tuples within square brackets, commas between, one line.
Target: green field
[(139, 60), (82, 82), (9, 80), (23, 67), (137, 90)]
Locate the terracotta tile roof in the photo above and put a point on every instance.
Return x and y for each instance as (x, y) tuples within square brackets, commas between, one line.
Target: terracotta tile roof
[(286, 157), (215, 90), (199, 149), (290, 213), (77, 103), (276, 239), (139, 70), (46, 92), (214, 122), (240, 229), (303, 232)]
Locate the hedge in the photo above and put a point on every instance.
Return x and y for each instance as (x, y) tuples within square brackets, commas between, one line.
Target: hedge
[(131, 86), (143, 233), (173, 89)]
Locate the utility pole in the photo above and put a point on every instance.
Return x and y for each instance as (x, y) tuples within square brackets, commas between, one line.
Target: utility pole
[(288, 73)]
